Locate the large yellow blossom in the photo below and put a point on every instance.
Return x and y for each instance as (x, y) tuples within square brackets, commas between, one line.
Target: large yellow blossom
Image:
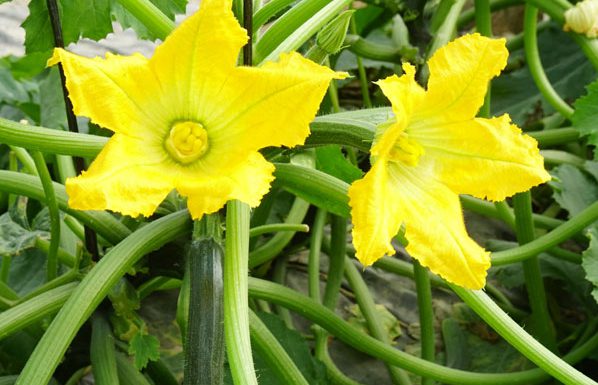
[(433, 149), (189, 118)]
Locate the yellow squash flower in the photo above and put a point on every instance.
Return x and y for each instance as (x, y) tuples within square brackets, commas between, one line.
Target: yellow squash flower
[(188, 118), (433, 149)]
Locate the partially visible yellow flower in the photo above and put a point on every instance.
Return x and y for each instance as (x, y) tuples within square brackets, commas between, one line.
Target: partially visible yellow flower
[(433, 149), (583, 18), (189, 118)]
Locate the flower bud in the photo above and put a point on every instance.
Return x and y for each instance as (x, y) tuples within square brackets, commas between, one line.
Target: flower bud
[(583, 18), (332, 36)]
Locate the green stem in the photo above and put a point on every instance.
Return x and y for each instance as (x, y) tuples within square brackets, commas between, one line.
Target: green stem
[(278, 227), (505, 213), (279, 274), (268, 11), (555, 137), (315, 247), (426, 315), (236, 308), (405, 269), (78, 376), (483, 22), (273, 353), (160, 373), (46, 179), (5, 268), (92, 290), (371, 346), (34, 310), (444, 34), (102, 352), (334, 374), (560, 234), (274, 246), (519, 339), (468, 15), (49, 140), (63, 256), (295, 27), (25, 158), (368, 309), (524, 227), (336, 266), (363, 79), (488, 209), (104, 223), (372, 50), (128, 374), (333, 91), (534, 63), (7, 292), (561, 157), (150, 16)]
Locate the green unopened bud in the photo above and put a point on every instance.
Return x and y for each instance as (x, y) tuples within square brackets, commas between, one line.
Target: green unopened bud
[(583, 18), (332, 36)]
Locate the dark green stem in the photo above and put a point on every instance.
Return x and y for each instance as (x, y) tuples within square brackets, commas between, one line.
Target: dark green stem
[(560, 234), (524, 227), (91, 241), (369, 345), (314, 254), (534, 64), (368, 309), (483, 24), (102, 352), (426, 316), (338, 250), (46, 180)]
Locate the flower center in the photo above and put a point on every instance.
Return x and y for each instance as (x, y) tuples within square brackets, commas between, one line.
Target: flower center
[(406, 150), (187, 141)]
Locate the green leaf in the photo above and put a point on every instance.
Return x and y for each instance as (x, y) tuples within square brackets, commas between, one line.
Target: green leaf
[(52, 109), (144, 347), (390, 323), (297, 349), (125, 299), (567, 69), (473, 346), (574, 189), (89, 19), (590, 261), (14, 239), (38, 30), (585, 116), (330, 159)]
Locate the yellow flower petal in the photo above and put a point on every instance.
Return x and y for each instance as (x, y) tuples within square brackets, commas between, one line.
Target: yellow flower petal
[(267, 106), (376, 214), (134, 187), (117, 92), (188, 118), (435, 229), (197, 56), (459, 76), (248, 183), (405, 95), (487, 158)]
